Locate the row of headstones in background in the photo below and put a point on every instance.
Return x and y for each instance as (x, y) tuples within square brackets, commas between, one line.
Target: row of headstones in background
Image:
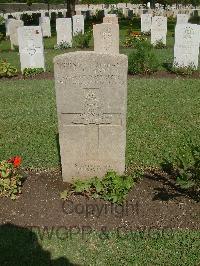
[(106, 38), (30, 39), (128, 11), (147, 21), (157, 25), (187, 37), (63, 27), (91, 89)]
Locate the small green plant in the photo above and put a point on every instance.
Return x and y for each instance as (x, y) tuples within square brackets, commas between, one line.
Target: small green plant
[(182, 70), (112, 187), (117, 11), (10, 178), (143, 60), (82, 40), (31, 72), (65, 194), (7, 70), (2, 20), (159, 45), (62, 46), (146, 33), (187, 175), (1, 36)]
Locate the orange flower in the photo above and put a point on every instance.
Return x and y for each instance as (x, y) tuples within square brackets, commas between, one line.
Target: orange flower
[(16, 161)]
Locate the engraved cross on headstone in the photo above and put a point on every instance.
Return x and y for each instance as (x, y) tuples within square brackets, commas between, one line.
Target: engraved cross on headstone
[(92, 117)]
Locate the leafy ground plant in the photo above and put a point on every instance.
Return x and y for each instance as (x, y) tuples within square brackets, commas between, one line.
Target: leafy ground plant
[(112, 187), (10, 178), (159, 45), (182, 70), (143, 60), (62, 46), (82, 40), (7, 70), (31, 72), (187, 175)]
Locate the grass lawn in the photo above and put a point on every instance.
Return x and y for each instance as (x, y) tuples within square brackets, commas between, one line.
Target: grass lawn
[(36, 247), (162, 117)]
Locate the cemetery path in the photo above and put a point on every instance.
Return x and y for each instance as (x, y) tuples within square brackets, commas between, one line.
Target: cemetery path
[(153, 203)]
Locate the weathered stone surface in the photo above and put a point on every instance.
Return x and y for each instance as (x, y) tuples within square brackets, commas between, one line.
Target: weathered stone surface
[(91, 95), (31, 47), (106, 38), (146, 23), (64, 30), (78, 24), (186, 47), (44, 22), (13, 26), (182, 19), (158, 29), (110, 18), (7, 25)]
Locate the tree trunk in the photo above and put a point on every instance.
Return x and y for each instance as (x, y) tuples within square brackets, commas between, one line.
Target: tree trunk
[(70, 8), (152, 4)]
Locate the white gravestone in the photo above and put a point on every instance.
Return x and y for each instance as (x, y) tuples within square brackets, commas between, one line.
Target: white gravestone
[(31, 47), (64, 30), (91, 95), (186, 48), (182, 19), (110, 18), (146, 23), (78, 24), (13, 26), (106, 38), (7, 25), (158, 30), (44, 22)]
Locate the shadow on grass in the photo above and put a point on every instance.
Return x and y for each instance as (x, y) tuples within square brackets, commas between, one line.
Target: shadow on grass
[(171, 190), (20, 246)]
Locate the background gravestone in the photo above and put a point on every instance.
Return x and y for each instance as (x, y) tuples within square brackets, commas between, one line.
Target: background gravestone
[(110, 18), (78, 24), (158, 30), (186, 48), (146, 23), (7, 25), (13, 26), (64, 30), (31, 47), (91, 95), (182, 19), (106, 38), (44, 22)]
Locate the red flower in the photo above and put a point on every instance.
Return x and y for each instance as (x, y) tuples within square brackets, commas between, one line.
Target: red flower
[(16, 161)]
